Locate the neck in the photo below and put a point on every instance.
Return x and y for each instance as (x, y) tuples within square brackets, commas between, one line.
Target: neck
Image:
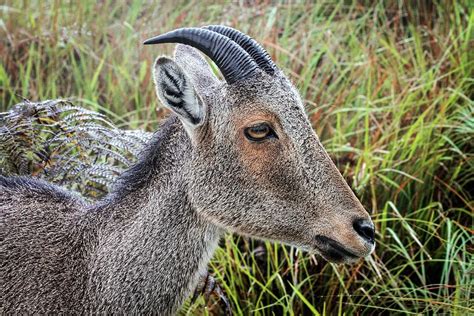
[(153, 246)]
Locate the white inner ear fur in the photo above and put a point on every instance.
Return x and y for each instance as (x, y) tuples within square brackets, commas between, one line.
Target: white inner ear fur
[(176, 91), (193, 102)]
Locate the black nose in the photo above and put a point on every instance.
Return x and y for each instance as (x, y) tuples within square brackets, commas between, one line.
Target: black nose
[(365, 229)]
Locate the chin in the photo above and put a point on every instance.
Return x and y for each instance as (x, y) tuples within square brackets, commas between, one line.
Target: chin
[(335, 252), (338, 259)]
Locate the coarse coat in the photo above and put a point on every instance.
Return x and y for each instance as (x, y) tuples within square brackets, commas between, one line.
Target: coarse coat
[(144, 247)]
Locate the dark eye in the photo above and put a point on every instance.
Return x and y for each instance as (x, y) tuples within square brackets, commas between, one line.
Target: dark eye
[(259, 132)]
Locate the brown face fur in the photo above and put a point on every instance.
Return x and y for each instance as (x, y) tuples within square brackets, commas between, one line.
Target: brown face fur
[(283, 188), (254, 155)]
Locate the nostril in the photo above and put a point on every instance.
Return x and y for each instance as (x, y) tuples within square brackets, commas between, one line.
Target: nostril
[(365, 229)]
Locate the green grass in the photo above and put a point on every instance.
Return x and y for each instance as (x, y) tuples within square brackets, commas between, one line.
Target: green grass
[(388, 88)]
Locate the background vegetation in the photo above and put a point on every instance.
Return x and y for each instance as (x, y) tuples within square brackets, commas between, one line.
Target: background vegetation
[(388, 87)]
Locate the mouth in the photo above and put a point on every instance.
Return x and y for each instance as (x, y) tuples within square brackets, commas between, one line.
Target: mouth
[(333, 251)]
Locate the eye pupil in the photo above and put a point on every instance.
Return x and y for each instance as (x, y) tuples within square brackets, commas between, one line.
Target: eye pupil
[(258, 132), (261, 129)]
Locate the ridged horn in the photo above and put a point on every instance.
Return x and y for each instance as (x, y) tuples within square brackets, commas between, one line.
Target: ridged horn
[(233, 61), (251, 46)]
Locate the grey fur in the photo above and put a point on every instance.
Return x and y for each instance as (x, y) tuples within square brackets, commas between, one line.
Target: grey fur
[(143, 248)]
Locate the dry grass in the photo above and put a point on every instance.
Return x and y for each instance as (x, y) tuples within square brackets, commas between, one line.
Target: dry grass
[(388, 88)]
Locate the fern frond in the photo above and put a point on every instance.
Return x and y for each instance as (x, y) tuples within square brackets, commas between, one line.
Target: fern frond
[(66, 144)]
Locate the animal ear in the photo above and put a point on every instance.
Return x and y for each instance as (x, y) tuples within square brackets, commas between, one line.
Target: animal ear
[(193, 62), (176, 91)]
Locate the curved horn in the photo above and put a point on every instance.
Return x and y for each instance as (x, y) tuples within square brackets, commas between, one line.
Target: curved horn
[(251, 46), (233, 61)]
